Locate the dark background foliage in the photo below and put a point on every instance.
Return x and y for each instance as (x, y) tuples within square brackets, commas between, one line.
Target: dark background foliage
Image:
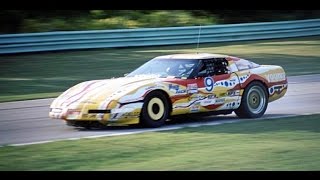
[(28, 21)]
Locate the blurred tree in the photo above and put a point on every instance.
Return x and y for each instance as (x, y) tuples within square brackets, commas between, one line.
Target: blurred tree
[(19, 21)]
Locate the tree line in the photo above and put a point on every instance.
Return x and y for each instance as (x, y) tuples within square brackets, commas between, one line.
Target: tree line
[(28, 21)]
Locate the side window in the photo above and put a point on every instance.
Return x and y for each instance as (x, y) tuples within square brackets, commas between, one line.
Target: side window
[(204, 70), (211, 67), (221, 67)]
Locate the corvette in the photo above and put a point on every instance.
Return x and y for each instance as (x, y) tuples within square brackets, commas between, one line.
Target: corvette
[(169, 86)]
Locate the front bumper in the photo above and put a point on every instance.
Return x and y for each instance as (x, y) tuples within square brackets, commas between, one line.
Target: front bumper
[(119, 116)]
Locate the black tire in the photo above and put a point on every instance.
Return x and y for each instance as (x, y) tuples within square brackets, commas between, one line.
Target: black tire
[(155, 110), (254, 101)]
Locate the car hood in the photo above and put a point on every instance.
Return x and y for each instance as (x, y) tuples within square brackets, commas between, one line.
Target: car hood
[(100, 92)]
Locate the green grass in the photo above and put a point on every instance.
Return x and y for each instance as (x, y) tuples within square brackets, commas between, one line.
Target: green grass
[(28, 96), (274, 144), (54, 72)]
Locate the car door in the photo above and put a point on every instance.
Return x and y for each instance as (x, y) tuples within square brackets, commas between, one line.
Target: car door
[(218, 88)]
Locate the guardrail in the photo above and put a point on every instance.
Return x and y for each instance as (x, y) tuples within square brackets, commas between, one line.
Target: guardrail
[(68, 40)]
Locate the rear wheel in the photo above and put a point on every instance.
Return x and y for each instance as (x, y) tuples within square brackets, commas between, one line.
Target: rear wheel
[(254, 101), (155, 110)]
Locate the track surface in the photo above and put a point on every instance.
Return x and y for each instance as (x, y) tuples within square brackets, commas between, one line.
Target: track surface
[(24, 122)]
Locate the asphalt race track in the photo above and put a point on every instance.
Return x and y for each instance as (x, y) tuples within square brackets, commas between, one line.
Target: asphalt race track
[(27, 122)]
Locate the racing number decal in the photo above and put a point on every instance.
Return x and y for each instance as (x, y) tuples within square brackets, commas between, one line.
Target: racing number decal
[(208, 81)]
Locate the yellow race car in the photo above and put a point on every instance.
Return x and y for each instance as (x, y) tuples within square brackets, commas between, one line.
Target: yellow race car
[(172, 85)]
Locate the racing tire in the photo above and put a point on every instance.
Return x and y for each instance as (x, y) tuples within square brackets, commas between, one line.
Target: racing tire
[(155, 110), (254, 101)]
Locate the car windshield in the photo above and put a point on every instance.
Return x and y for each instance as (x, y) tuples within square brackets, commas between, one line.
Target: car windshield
[(178, 68)]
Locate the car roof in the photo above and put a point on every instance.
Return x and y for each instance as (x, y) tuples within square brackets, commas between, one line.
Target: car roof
[(192, 56)]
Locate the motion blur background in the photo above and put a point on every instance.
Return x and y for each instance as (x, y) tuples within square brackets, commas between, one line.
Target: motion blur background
[(28, 21)]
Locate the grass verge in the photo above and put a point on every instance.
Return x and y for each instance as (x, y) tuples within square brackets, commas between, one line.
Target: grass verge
[(24, 75), (274, 144)]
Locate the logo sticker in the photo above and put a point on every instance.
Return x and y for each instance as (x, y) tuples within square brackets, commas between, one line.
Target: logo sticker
[(207, 102), (192, 88), (276, 77), (195, 108), (176, 89)]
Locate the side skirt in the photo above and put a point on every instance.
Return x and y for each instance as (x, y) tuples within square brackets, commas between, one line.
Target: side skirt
[(199, 114)]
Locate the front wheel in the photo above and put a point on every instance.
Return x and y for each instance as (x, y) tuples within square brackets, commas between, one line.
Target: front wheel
[(155, 110), (254, 101)]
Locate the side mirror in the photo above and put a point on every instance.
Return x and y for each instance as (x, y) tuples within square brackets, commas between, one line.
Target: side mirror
[(125, 74)]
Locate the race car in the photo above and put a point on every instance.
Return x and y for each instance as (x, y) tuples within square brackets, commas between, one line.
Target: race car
[(170, 86)]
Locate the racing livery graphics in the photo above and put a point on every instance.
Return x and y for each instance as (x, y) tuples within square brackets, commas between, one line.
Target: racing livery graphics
[(171, 85)]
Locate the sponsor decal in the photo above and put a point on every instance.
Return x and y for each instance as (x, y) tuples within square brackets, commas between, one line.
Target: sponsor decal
[(207, 102), (208, 82), (192, 88), (276, 77), (194, 108), (211, 96), (192, 102), (233, 93), (196, 97), (176, 89), (220, 101), (211, 99), (181, 91), (173, 87)]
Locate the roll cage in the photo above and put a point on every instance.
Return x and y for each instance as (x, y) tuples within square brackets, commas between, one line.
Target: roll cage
[(210, 67)]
